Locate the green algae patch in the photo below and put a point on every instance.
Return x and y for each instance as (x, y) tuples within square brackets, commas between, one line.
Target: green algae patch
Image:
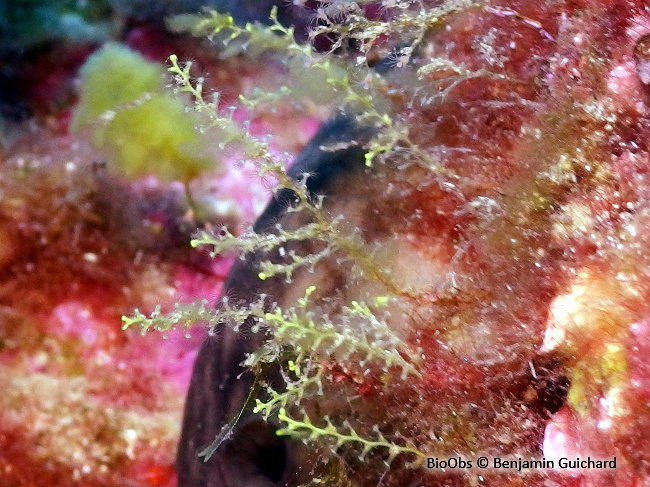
[(141, 127)]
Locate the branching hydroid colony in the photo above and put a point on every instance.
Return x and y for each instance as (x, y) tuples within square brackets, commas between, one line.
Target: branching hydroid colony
[(303, 337), (435, 301), (327, 346)]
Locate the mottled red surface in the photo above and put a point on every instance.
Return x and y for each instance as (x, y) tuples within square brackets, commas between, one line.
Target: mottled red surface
[(549, 151), (85, 403)]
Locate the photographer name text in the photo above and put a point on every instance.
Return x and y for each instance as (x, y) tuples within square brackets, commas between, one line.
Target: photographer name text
[(518, 464)]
